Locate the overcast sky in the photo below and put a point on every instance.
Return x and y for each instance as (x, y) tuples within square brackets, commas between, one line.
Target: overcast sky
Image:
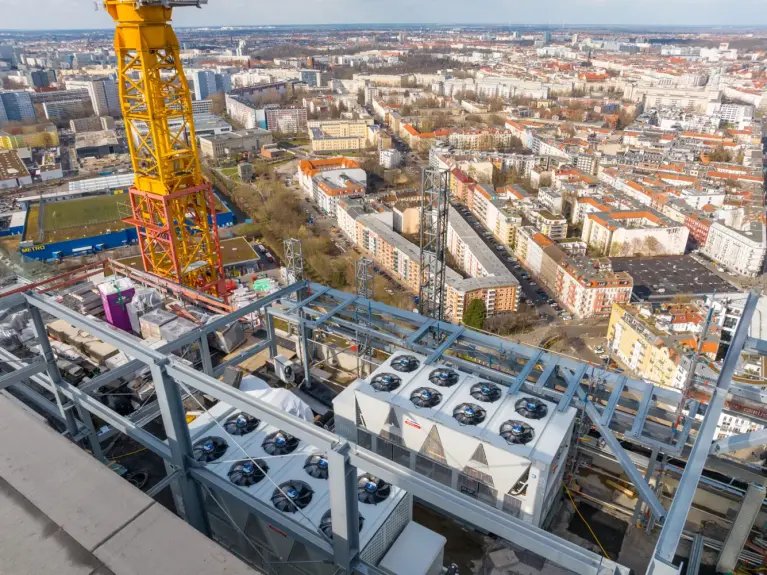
[(78, 14)]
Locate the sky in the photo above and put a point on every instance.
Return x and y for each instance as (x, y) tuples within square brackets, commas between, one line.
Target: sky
[(82, 14)]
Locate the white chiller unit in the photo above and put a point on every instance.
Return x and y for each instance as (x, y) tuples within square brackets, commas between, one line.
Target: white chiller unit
[(291, 476), (508, 451)]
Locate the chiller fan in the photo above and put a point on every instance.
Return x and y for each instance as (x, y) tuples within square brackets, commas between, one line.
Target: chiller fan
[(279, 443), (241, 424), (371, 489), (405, 363), (485, 391), (531, 408), (326, 525), (443, 377), (385, 382), (317, 466), (425, 397), (469, 414), (517, 432), (209, 449), (292, 496), (246, 473)]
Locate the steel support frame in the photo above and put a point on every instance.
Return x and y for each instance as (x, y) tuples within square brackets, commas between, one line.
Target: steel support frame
[(623, 458), (170, 373), (673, 526), (420, 325), (738, 442)]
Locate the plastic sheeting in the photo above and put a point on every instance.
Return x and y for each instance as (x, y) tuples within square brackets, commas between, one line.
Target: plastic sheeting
[(144, 301), (282, 399)]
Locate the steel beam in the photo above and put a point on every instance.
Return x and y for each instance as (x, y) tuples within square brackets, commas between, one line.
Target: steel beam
[(688, 483), (572, 387), (641, 414), (548, 371), (445, 345), (421, 331), (525, 373), (125, 370), (317, 292), (22, 374), (207, 362), (612, 403), (344, 513), (177, 431), (696, 555), (322, 319), (692, 411), (737, 442), (53, 371), (240, 357), (623, 458), (525, 535)]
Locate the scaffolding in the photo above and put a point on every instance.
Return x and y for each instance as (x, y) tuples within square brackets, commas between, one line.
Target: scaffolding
[(434, 209)]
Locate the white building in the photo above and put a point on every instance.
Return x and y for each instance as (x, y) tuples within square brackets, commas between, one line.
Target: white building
[(390, 158), (741, 251)]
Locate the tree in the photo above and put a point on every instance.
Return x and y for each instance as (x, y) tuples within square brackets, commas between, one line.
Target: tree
[(475, 314), (218, 103), (361, 96)]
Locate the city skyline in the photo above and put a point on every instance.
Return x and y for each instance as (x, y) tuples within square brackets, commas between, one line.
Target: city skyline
[(82, 14)]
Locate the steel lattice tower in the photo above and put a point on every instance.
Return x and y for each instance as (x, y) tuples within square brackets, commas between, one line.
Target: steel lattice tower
[(172, 204), (294, 260), (364, 274), (434, 209)]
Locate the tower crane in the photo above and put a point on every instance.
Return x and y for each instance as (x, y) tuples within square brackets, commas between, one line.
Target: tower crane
[(172, 204)]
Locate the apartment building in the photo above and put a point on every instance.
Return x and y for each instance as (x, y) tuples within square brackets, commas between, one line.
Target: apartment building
[(335, 136), (103, 95), (634, 233), (657, 341), (234, 143), (586, 287), (494, 214), (374, 233), (330, 186), (489, 139), (310, 169), (550, 225), (204, 84), (740, 248), (245, 112)]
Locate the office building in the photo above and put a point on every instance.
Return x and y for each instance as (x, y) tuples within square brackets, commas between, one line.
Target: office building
[(233, 143), (204, 84), (42, 78), (315, 78), (65, 109), (18, 106), (103, 95), (223, 83), (337, 136)]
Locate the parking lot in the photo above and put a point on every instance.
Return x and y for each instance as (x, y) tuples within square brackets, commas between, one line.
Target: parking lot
[(533, 293)]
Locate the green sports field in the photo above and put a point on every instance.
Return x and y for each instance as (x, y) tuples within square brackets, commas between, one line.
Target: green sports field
[(82, 218), (75, 219)]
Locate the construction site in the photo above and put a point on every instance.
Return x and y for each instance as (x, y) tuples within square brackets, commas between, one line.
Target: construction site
[(163, 415)]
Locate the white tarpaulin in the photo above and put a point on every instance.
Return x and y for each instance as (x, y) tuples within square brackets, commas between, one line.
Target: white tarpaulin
[(279, 398)]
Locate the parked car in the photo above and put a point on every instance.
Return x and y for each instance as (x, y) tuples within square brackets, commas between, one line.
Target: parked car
[(500, 248), (533, 284)]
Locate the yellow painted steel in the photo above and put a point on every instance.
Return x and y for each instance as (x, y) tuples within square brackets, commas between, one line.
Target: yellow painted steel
[(172, 203)]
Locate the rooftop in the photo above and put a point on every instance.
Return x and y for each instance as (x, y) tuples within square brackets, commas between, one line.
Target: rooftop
[(11, 166)]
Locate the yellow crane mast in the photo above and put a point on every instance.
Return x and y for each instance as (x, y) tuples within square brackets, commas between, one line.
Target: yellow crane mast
[(172, 203)]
